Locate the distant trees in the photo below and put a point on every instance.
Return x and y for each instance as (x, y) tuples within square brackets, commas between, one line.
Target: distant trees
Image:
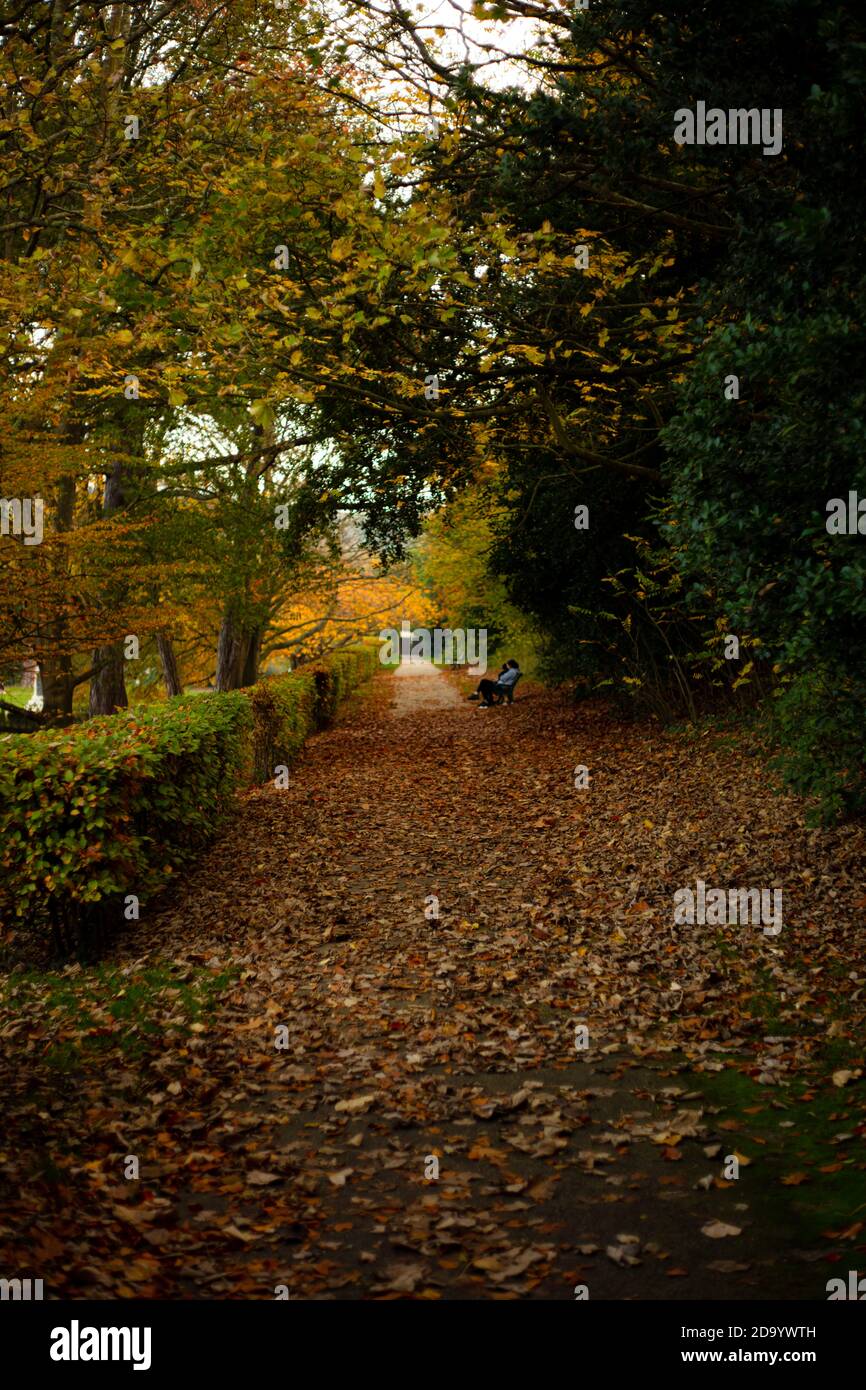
[(672, 336)]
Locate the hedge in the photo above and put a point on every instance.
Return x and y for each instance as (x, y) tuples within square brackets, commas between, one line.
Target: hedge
[(287, 709), (113, 808)]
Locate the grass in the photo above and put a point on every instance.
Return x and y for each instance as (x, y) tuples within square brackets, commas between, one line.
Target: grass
[(76, 1017), (811, 1181), (17, 695)]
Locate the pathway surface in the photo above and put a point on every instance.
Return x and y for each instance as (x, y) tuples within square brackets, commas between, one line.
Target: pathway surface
[(391, 1098)]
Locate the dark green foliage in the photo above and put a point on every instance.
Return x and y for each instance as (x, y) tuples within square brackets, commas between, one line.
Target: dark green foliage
[(819, 718), (750, 480), (764, 256), (554, 571), (284, 714), (338, 674)]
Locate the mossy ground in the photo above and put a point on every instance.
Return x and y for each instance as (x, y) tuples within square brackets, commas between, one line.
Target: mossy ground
[(78, 1017)]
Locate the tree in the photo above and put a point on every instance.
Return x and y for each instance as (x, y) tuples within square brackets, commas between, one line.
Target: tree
[(138, 144)]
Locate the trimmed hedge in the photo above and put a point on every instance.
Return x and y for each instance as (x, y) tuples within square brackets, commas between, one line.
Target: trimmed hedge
[(284, 715), (287, 709), (336, 676), (117, 805)]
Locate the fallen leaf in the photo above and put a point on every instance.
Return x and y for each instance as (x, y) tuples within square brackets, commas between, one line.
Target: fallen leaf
[(716, 1229), (338, 1179), (356, 1105), (842, 1077)]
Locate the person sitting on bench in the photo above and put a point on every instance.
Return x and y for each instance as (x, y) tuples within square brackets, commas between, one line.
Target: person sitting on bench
[(489, 690)]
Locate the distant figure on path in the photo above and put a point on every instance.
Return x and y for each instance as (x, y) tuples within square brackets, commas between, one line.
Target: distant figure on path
[(493, 692)]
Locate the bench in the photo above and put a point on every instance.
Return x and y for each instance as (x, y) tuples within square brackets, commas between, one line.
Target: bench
[(507, 695)]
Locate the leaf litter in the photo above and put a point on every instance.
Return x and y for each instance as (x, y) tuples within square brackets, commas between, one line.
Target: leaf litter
[(408, 1039)]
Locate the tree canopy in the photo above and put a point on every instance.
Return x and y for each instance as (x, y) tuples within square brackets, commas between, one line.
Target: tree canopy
[(271, 266)]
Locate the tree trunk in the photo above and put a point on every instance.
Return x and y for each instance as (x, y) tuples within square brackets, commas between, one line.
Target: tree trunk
[(107, 684), (58, 10), (250, 670), (170, 672), (55, 665), (231, 654), (55, 674)]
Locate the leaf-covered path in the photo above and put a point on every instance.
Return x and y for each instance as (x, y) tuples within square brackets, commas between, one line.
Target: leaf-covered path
[(404, 1038)]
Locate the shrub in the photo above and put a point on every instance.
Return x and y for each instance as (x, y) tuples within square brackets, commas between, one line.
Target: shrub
[(819, 719), (284, 714), (337, 674), (117, 805), (287, 709)]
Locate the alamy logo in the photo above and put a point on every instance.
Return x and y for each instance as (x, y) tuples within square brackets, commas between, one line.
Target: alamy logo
[(450, 647), (76, 1343), (718, 907), (855, 1290), (847, 520), (735, 127), (22, 517), (20, 1290)]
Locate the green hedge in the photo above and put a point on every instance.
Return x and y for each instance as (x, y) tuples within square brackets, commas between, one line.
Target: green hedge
[(335, 677), (287, 709), (116, 806), (284, 715)]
